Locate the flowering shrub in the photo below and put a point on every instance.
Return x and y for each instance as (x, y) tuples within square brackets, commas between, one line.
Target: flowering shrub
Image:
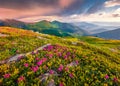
[(61, 64), (58, 65)]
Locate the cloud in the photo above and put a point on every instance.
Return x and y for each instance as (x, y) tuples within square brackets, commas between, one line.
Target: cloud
[(66, 3), (84, 7), (112, 3), (26, 4), (31, 4), (16, 14), (116, 13), (70, 10), (30, 8)]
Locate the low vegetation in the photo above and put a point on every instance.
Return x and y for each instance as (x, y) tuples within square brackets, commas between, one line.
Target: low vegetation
[(84, 61)]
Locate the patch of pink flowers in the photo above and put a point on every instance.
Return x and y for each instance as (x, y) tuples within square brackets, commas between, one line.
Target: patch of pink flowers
[(68, 53), (115, 79), (26, 64), (21, 78), (50, 55), (37, 58), (60, 68), (106, 76), (41, 61), (51, 72), (35, 68), (65, 57), (59, 54), (7, 76), (71, 75), (48, 48), (67, 69), (61, 84), (77, 62)]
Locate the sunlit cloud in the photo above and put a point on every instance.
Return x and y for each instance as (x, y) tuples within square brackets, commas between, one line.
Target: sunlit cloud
[(112, 3)]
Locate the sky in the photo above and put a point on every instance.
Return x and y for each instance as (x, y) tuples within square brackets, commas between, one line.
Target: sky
[(62, 10)]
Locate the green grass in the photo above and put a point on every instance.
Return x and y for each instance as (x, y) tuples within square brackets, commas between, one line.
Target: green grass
[(96, 63)]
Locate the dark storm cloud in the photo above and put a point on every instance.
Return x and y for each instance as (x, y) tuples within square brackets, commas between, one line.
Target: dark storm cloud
[(85, 7), (26, 4)]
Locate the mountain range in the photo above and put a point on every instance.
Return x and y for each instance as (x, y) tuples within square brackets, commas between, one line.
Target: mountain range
[(67, 29), (112, 34), (53, 28), (94, 27)]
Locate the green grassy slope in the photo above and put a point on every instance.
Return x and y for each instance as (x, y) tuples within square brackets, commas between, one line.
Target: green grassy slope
[(53, 28), (86, 61)]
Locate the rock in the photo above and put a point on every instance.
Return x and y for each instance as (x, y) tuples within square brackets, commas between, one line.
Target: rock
[(72, 64), (3, 62), (42, 38), (51, 83), (15, 58), (45, 76), (3, 35), (74, 43), (113, 50), (18, 56)]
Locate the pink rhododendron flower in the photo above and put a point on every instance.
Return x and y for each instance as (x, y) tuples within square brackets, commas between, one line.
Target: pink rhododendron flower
[(77, 62), (44, 49), (60, 68), (65, 57), (66, 69), (59, 54), (51, 72), (32, 53), (44, 59), (37, 58), (49, 48), (61, 84), (7, 76), (26, 64), (50, 55), (71, 75), (39, 63), (34, 69), (73, 56), (68, 53), (21, 78), (106, 76), (115, 79)]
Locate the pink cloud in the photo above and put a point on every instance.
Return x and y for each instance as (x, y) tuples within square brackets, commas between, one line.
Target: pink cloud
[(10, 13), (112, 3), (35, 10), (66, 3)]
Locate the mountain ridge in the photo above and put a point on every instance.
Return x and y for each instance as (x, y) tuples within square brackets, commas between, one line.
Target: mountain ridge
[(112, 34), (53, 28)]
